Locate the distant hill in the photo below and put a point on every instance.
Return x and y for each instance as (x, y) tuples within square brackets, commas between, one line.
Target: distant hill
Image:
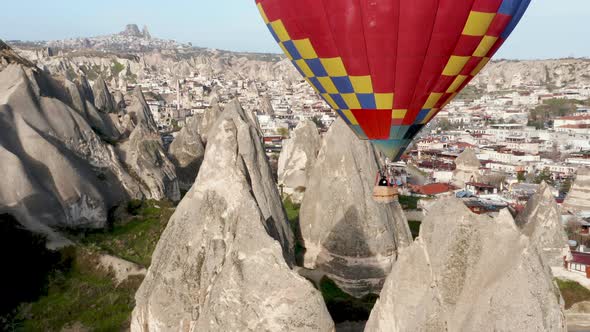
[(135, 41)]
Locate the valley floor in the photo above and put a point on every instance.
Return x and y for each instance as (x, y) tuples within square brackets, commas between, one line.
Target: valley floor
[(93, 286)]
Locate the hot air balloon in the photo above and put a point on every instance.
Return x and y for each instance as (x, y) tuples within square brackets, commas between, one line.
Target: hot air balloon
[(387, 67)]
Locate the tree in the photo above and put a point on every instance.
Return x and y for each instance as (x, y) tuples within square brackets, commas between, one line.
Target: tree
[(521, 176), (318, 122), (544, 175), (445, 124), (284, 132), (566, 185), (573, 228)]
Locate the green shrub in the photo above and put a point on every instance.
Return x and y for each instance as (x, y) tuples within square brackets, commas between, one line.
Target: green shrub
[(572, 292), (78, 292), (133, 237), (409, 202), (344, 307), (414, 227), (117, 68), (26, 266), (292, 211), (134, 206)]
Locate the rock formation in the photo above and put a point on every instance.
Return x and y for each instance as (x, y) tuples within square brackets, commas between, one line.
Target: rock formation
[(222, 262), (506, 74), (469, 272), (578, 199), (56, 170), (144, 154), (8, 56), (140, 111), (119, 99), (266, 106), (103, 100), (207, 120), (467, 168), (146, 33), (80, 100), (541, 222), (187, 152), (297, 158), (346, 234), (132, 30)]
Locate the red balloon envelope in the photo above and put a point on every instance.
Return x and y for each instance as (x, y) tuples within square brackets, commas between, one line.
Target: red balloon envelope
[(389, 66)]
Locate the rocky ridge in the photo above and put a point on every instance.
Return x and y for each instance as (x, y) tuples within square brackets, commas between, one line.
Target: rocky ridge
[(297, 158), (103, 100), (62, 155), (468, 272), (58, 171), (346, 234), (467, 169), (187, 152), (541, 222), (507, 74), (206, 270), (144, 155), (578, 198)]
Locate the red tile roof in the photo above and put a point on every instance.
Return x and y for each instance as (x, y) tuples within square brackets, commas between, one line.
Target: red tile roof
[(581, 257), (480, 185), (433, 189), (574, 117), (576, 126)]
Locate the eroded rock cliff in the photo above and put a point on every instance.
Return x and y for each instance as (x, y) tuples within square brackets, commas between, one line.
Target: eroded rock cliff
[(187, 152), (346, 234), (578, 199), (297, 157), (541, 222), (468, 272), (467, 168), (222, 263)]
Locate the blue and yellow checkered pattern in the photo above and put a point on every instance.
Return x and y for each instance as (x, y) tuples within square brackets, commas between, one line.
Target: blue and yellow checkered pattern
[(353, 97)]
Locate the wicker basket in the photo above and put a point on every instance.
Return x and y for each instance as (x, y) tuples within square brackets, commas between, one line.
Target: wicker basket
[(385, 195)]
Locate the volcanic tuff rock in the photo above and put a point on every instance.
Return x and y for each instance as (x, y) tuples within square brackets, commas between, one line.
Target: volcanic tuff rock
[(188, 148), (144, 154), (132, 30), (81, 102), (56, 170), (467, 168), (468, 272), (266, 106), (506, 74), (103, 99), (297, 158), (207, 120), (541, 222), (146, 33), (119, 100), (346, 234), (220, 264), (9, 56), (139, 112), (578, 199), (187, 152)]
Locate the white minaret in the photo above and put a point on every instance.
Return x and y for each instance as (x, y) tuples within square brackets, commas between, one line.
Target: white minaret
[(178, 95)]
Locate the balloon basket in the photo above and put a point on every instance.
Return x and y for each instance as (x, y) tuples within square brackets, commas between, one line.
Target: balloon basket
[(385, 195)]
